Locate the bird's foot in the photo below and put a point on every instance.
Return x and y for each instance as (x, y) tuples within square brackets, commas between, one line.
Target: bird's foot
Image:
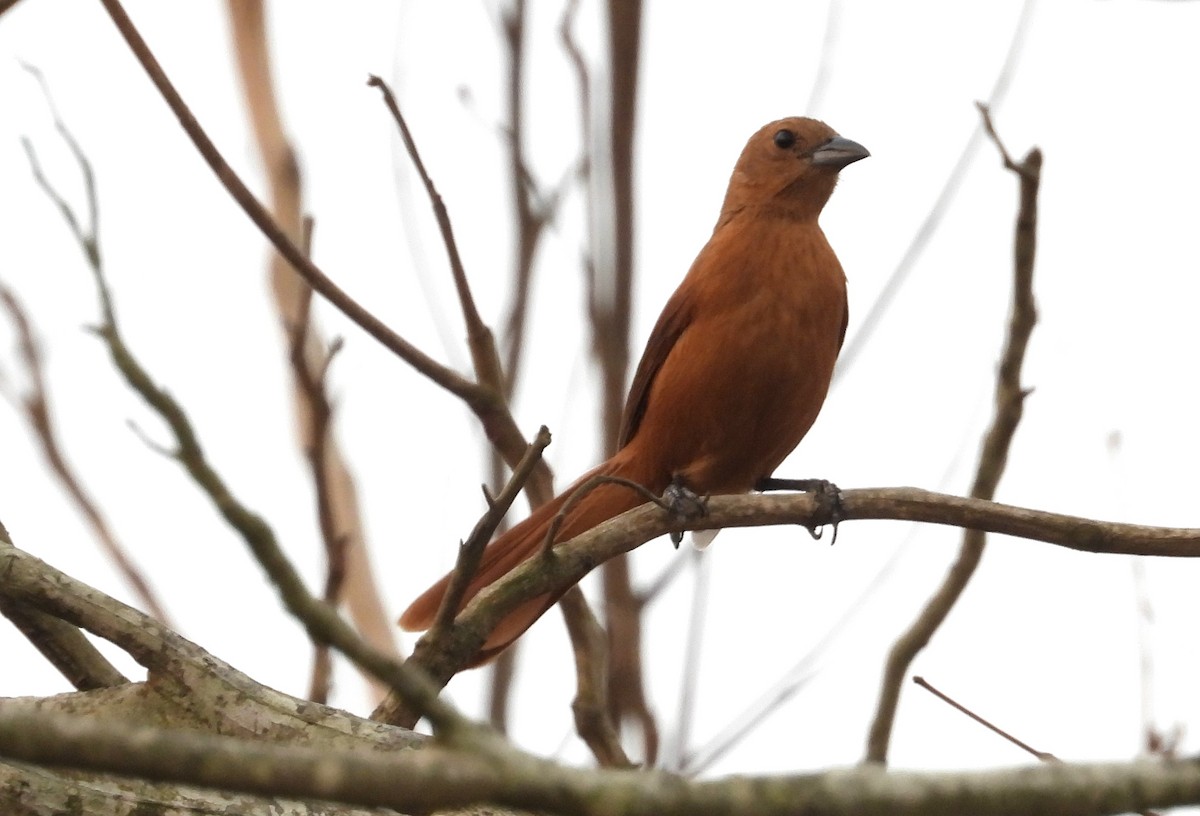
[(683, 503), (827, 494)]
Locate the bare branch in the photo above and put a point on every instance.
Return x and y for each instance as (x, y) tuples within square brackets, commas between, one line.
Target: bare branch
[(435, 644), (422, 781), (63, 645), (689, 673), (574, 559), (487, 403), (1041, 756), (1010, 400), (337, 508), (471, 551), (38, 414), (320, 619), (589, 642), (188, 686), (793, 680), (610, 303)]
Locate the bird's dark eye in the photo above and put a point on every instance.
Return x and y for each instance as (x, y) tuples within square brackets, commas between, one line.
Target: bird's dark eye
[(785, 139)]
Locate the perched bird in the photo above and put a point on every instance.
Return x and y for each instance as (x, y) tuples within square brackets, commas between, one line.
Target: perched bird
[(737, 366)]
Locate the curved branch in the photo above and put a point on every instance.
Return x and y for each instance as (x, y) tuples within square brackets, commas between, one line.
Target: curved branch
[(570, 561)]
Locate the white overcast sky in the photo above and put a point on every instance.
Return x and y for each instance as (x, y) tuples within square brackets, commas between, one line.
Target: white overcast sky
[(1046, 641)]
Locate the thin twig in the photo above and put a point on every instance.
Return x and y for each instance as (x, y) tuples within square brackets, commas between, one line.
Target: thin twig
[(689, 678), (470, 552), (441, 638), (311, 384), (321, 620), (338, 514), (891, 288), (529, 227), (487, 404), (587, 487), (85, 167), (589, 653), (1042, 756), (610, 304), (479, 336), (35, 406), (798, 675), (1010, 399)]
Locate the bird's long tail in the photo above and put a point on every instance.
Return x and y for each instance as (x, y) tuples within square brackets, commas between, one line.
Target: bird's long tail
[(520, 543)]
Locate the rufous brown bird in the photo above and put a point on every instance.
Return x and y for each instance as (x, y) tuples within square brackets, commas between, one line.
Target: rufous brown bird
[(737, 366)]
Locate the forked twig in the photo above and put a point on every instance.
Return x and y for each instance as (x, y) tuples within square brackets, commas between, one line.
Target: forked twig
[(471, 551), (36, 404)]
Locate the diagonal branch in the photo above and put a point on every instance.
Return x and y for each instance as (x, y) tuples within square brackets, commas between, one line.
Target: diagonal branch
[(1010, 400), (471, 551), (37, 411), (348, 567), (891, 288), (320, 619), (486, 402), (67, 649)]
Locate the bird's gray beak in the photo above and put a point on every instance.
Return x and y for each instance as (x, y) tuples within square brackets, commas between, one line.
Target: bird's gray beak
[(839, 152)]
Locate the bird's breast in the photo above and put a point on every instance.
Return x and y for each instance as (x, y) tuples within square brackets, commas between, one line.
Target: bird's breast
[(746, 380)]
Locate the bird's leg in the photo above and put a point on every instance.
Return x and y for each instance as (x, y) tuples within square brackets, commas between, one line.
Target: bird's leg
[(683, 503), (827, 494)]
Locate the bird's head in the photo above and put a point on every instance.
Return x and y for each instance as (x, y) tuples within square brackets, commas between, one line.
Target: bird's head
[(790, 168)]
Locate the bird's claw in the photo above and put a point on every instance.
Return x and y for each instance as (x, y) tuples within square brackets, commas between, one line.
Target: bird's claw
[(827, 494), (829, 504), (684, 504)]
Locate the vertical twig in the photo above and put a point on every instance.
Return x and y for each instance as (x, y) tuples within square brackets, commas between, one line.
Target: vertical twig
[(528, 231), (348, 568), (610, 305), (1010, 400), (593, 722), (690, 672)]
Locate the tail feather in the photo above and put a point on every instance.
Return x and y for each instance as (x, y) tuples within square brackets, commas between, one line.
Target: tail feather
[(520, 543)]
